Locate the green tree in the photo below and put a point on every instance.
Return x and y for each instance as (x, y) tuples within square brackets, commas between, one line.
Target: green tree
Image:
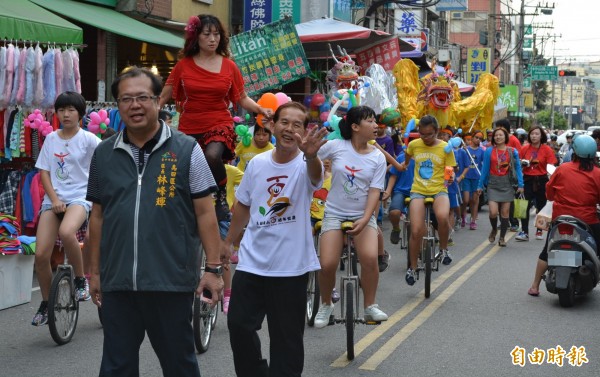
[(543, 117)]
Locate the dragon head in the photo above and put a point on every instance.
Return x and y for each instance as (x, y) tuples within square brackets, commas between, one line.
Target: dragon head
[(436, 90)]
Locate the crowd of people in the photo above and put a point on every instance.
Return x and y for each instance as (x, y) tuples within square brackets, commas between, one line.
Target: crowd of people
[(254, 210)]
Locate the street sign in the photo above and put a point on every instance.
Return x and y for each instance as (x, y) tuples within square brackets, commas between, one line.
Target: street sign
[(544, 73), (527, 84)]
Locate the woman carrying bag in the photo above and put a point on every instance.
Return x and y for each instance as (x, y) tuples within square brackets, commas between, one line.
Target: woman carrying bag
[(500, 162), (534, 157)]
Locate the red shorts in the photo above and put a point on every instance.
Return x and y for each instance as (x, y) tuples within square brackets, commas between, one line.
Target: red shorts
[(219, 134)]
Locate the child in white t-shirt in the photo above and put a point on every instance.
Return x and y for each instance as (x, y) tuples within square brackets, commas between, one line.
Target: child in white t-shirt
[(64, 164), (358, 170)]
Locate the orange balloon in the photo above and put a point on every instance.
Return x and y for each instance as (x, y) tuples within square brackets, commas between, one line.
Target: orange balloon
[(268, 101)]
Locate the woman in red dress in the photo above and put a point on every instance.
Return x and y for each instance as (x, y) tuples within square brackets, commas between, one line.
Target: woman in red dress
[(204, 83)]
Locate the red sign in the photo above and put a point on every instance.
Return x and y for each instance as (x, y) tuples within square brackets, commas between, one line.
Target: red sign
[(385, 53)]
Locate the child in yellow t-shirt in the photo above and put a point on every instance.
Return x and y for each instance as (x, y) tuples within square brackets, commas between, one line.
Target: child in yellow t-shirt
[(234, 177), (260, 143)]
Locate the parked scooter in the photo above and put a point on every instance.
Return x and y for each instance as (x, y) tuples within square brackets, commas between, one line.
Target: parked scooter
[(573, 265)]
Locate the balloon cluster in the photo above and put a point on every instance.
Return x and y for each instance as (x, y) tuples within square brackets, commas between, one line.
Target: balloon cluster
[(243, 131), (318, 106), (99, 122), (36, 121), (271, 101)]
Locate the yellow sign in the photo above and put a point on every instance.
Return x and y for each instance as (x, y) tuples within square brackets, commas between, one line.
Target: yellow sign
[(479, 60), (528, 100)]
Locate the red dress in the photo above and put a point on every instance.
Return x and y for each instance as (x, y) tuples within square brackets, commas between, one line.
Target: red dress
[(203, 98)]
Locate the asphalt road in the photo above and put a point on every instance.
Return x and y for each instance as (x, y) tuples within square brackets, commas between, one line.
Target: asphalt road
[(478, 313)]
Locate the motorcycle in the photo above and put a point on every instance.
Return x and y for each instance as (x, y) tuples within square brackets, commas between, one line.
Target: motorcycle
[(573, 265)]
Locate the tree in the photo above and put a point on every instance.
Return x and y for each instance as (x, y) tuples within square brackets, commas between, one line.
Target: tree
[(544, 118)]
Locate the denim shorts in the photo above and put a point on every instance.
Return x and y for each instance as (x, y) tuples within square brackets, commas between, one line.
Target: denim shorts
[(335, 222), (415, 195), (455, 200), (84, 204), (398, 202), (469, 185)]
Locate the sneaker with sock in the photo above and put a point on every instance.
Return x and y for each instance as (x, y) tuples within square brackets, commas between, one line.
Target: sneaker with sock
[(395, 236), (374, 314), (473, 225), (522, 236), (539, 235), (41, 317), (514, 228), (447, 259), (323, 315), (383, 261), (82, 289), (410, 277), (463, 223), (226, 299)]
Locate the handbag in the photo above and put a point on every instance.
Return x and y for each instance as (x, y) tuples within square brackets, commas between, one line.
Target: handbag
[(512, 173), (544, 217), (520, 211)]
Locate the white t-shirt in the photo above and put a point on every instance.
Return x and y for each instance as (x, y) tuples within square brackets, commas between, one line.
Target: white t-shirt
[(68, 162), (278, 239), (352, 176)]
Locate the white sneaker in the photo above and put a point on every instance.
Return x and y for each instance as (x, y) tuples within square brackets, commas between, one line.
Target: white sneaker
[(322, 318), (374, 314)]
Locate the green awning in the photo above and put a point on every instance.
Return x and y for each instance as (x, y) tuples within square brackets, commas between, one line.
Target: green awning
[(20, 19), (112, 21)]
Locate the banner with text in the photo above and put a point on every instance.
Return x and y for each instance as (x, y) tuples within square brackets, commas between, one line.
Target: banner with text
[(269, 56), (385, 53), (478, 62)]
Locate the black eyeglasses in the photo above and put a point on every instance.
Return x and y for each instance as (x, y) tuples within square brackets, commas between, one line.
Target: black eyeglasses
[(143, 99)]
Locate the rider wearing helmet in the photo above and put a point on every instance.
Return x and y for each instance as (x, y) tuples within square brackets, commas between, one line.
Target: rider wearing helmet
[(584, 175)]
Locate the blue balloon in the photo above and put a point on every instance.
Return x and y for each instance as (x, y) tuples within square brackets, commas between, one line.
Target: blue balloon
[(412, 124), (325, 107), (455, 142)]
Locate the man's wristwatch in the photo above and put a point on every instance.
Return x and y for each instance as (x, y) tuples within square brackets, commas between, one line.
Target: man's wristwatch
[(217, 270)]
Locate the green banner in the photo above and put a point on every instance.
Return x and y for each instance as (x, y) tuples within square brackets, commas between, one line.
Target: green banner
[(269, 56), (509, 97)]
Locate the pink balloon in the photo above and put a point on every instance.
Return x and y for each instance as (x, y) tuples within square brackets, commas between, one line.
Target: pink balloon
[(95, 118), (323, 116), (103, 115), (282, 98), (93, 128), (36, 123)]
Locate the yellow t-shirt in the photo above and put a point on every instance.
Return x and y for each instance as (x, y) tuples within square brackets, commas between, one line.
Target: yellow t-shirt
[(234, 177), (429, 167), (246, 153)]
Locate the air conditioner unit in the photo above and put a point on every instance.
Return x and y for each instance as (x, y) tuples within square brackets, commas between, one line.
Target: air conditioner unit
[(471, 15), (456, 15)]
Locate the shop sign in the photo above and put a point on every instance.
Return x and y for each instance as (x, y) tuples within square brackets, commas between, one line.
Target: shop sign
[(478, 62), (385, 53), (269, 56), (509, 97), (257, 13), (408, 22), (285, 8)]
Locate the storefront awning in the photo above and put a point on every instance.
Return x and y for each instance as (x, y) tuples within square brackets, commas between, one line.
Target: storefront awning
[(112, 21), (24, 20)]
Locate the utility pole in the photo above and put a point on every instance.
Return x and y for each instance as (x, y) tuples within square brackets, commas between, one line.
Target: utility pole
[(491, 30), (521, 64), (571, 107)]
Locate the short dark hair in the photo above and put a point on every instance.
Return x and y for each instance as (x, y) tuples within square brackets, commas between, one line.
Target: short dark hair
[(596, 133), (499, 129), (293, 105), (543, 139), (164, 115), (429, 120), (504, 123), (354, 116), (74, 99), (134, 71), (258, 128)]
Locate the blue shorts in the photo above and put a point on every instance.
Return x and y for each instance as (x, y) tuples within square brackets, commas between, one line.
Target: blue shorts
[(83, 203), (455, 200), (469, 185), (398, 202)]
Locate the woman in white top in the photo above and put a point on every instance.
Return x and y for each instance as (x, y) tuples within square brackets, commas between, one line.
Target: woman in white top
[(358, 170), (64, 165)]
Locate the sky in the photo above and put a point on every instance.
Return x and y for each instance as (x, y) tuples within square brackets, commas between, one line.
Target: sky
[(576, 25)]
